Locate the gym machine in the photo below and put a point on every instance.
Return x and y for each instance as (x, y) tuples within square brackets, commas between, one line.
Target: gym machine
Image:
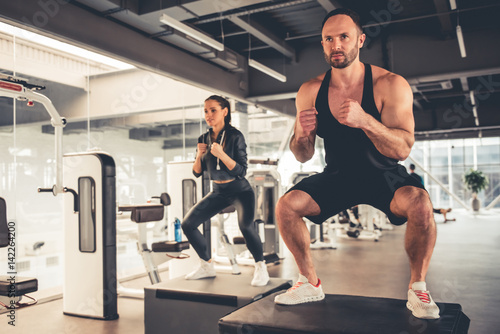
[(186, 191), (89, 215), (90, 278), (12, 287), (266, 184), (19, 89), (155, 253), (362, 223)]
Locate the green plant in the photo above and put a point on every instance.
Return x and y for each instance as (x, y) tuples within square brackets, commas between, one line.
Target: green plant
[(475, 180)]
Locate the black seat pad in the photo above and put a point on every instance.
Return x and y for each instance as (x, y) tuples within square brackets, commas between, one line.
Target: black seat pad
[(4, 229), (169, 246), (20, 286), (239, 241), (144, 213)]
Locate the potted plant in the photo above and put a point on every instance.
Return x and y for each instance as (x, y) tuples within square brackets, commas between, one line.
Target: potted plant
[(475, 181)]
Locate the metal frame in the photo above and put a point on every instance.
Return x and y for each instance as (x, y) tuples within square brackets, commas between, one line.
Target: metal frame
[(18, 91)]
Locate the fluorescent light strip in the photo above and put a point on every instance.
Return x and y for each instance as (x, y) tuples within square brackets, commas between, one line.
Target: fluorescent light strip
[(453, 4), (461, 43), (65, 47), (165, 19), (266, 70), (474, 107), (472, 98), (474, 112)]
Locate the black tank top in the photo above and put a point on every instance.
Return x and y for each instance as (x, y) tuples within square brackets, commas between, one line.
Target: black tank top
[(349, 149)]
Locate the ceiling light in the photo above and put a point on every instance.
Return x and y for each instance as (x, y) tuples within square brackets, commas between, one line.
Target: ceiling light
[(461, 43), (472, 98), (453, 4), (165, 19), (64, 47), (474, 112), (266, 70)]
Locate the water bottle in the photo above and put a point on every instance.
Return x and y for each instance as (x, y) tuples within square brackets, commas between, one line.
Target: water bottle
[(178, 234)]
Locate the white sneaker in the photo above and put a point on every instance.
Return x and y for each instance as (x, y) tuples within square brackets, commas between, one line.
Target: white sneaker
[(204, 270), (301, 292), (420, 302), (260, 275)]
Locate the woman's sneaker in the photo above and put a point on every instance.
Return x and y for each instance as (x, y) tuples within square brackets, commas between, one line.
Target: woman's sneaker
[(260, 275), (204, 270), (420, 302), (301, 292)]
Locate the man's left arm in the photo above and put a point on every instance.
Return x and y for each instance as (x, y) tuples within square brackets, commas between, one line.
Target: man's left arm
[(394, 135)]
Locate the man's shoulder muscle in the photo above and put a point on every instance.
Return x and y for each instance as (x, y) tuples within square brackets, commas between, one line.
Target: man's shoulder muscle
[(384, 81), (308, 91)]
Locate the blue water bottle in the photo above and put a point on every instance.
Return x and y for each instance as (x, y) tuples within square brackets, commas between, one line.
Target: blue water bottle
[(178, 234)]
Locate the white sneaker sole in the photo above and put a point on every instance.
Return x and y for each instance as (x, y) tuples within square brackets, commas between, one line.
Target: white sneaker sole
[(303, 301), (199, 277), (259, 283), (422, 316)]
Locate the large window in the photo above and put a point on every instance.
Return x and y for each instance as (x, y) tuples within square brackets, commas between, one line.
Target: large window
[(448, 160)]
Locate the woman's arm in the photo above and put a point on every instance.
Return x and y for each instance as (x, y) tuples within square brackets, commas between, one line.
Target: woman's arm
[(237, 166), (198, 165)]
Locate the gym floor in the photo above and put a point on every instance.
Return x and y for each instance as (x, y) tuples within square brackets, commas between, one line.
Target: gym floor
[(464, 270)]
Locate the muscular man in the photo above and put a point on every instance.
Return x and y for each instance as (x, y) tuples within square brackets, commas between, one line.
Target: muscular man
[(364, 114)]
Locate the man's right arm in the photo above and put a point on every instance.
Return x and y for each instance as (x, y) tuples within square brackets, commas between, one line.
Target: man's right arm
[(304, 135)]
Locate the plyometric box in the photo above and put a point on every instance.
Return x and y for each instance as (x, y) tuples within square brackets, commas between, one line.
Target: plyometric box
[(195, 306), (341, 314)]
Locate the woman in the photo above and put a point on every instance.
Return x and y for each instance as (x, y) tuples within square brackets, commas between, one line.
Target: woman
[(222, 152)]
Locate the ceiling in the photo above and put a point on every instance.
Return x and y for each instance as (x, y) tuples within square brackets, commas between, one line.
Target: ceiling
[(454, 96)]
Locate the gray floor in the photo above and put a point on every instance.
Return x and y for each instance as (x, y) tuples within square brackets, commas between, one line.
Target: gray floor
[(465, 269)]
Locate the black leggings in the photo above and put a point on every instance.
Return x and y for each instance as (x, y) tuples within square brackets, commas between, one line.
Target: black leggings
[(238, 193)]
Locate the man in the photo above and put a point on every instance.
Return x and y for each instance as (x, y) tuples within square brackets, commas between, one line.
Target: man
[(444, 212), (364, 114), (415, 175)]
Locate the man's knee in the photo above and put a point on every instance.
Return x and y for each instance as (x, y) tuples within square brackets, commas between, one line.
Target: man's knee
[(296, 204), (420, 211), (283, 206), (289, 207)]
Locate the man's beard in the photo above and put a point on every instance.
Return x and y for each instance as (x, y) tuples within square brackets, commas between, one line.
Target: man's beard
[(348, 59)]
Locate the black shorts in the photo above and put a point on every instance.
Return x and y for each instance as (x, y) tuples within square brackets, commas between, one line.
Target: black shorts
[(335, 192)]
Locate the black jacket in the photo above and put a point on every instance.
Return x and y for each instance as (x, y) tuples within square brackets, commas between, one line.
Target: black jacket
[(235, 147)]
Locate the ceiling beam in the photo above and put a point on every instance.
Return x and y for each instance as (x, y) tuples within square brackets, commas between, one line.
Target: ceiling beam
[(447, 27), (328, 5), (265, 36), (274, 97), (454, 75), (457, 130), (465, 84)]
